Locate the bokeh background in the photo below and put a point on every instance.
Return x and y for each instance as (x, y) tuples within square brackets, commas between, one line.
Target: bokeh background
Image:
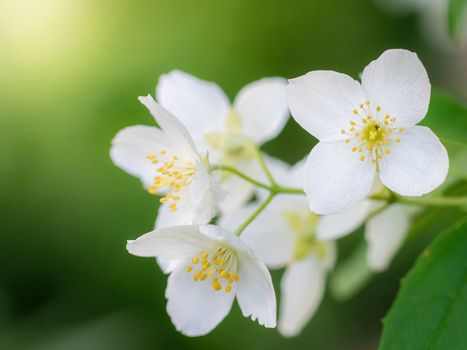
[(70, 75)]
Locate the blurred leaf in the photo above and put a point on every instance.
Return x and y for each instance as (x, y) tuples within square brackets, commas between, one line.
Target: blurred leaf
[(447, 118), (351, 275), (459, 165), (455, 13), (430, 309)]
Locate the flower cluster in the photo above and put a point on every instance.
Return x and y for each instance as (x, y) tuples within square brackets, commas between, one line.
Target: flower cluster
[(205, 164)]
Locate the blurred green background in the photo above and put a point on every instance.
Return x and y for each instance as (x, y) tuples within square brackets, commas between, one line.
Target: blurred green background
[(70, 75)]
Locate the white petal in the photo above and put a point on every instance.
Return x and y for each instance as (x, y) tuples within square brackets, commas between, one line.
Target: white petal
[(385, 234), (417, 165), (398, 82), (275, 247), (200, 105), (328, 261), (296, 174), (195, 308), (168, 218), (232, 220), (170, 243), (302, 289), (197, 207), (335, 178), (167, 266), (322, 102), (268, 235), (175, 131), (281, 171), (218, 234), (235, 191), (255, 292), (203, 196), (335, 226), (262, 107), (284, 174), (132, 145)]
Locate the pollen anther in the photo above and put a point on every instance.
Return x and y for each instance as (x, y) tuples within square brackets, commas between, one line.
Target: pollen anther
[(371, 132)]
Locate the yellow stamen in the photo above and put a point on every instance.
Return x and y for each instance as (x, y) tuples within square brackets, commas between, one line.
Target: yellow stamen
[(216, 285)]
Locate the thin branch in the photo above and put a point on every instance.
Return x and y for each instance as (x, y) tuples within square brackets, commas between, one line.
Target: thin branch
[(230, 169), (255, 214), (427, 201), (265, 167)]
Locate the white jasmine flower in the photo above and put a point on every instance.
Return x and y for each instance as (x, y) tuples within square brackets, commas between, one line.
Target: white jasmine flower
[(385, 232), (214, 267), (168, 163), (230, 133), (285, 234), (368, 130)]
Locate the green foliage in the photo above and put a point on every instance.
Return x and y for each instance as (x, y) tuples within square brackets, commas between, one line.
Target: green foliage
[(448, 117), (430, 311), (455, 13), (70, 82)]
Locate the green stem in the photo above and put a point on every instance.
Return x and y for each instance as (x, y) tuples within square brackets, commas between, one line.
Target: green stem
[(428, 201), (432, 201), (244, 176), (271, 188), (264, 166), (255, 214), (288, 190)]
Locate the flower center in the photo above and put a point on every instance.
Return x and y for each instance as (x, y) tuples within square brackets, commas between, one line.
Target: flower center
[(231, 142), (303, 225), (370, 134), (220, 268), (174, 175)]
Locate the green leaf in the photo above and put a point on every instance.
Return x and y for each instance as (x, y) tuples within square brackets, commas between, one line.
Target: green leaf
[(447, 118), (455, 13), (430, 311)]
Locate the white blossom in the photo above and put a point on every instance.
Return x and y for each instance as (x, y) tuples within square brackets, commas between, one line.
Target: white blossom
[(385, 230), (168, 163), (286, 234), (368, 131), (214, 266), (231, 133)]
